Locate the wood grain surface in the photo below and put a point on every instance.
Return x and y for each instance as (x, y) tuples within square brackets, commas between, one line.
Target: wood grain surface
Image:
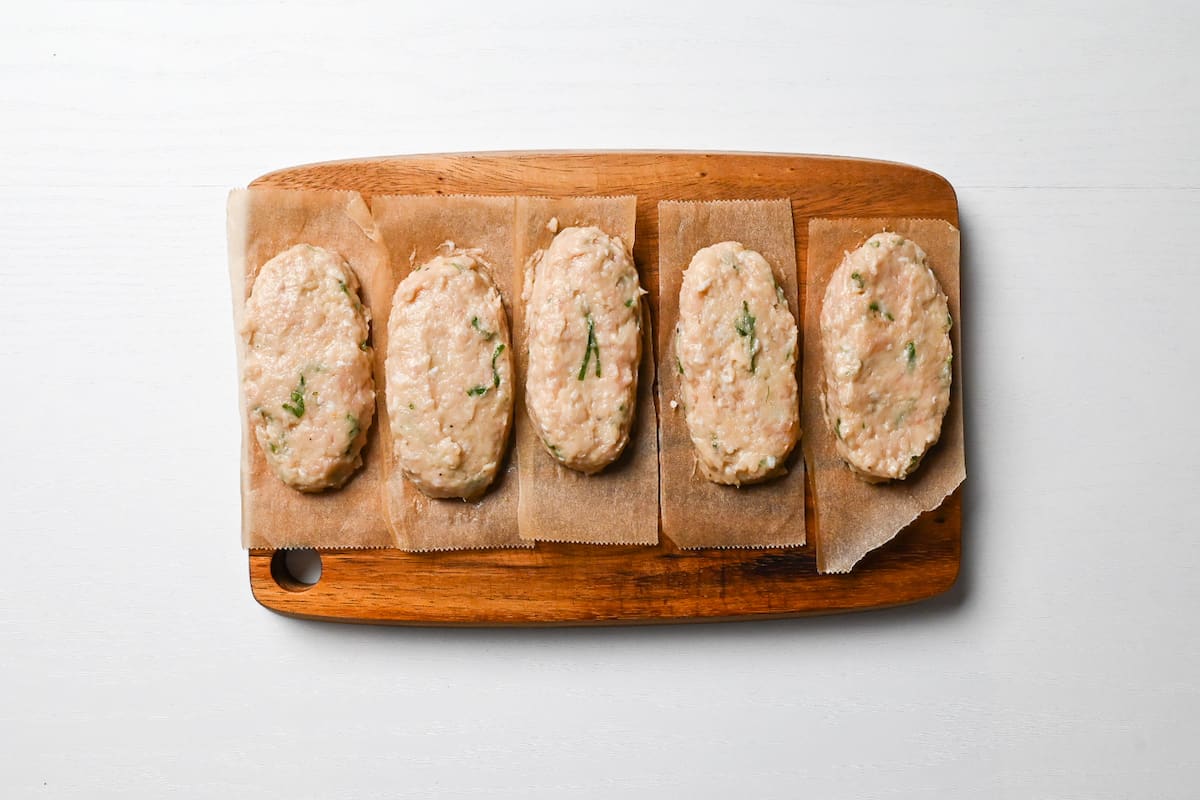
[(577, 584)]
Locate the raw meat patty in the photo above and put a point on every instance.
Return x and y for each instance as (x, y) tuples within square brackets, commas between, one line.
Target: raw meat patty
[(583, 325), (449, 377), (735, 348), (885, 340), (307, 374)]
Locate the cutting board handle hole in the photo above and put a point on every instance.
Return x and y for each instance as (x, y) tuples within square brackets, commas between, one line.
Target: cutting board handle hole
[(296, 570)]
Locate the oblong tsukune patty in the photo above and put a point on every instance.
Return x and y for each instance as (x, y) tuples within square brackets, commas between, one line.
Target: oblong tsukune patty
[(449, 377), (583, 323), (735, 348), (885, 341), (307, 372)]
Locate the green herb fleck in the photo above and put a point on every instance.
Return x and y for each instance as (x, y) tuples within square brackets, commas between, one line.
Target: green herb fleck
[(910, 352), (874, 243), (354, 431), (495, 374), (296, 408), (949, 322), (592, 348), (411, 407), (274, 448), (364, 346), (888, 316), (679, 365), (874, 306), (744, 325), (482, 389), (346, 290), (837, 428), (486, 334), (858, 279), (629, 303)]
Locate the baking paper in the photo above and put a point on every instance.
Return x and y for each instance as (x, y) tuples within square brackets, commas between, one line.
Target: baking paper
[(618, 505), (415, 229), (855, 517), (261, 224), (695, 511)]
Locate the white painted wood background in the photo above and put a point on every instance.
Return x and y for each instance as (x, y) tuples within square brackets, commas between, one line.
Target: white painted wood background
[(133, 661)]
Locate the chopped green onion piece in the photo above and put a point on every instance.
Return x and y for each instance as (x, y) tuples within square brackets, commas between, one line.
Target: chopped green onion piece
[(495, 374), (744, 325), (486, 334), (592, 348), (296, 408)]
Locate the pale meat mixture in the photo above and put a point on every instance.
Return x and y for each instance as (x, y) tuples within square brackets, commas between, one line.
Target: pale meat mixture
[(735, 352), (449, 377), (885, 337), (583, 324), (307, 373)]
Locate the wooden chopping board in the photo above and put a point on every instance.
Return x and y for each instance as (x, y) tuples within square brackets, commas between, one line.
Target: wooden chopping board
[(564, 584)]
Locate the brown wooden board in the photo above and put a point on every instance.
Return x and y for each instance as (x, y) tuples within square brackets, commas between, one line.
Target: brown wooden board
[(564, 584)]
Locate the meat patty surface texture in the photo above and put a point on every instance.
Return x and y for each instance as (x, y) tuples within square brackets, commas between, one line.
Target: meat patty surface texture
[(583, 311), (885, 343), (735, 348), (307, 369), (449, 377)]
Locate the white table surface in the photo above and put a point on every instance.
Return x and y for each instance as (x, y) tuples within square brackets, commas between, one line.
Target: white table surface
[(133, 660)]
